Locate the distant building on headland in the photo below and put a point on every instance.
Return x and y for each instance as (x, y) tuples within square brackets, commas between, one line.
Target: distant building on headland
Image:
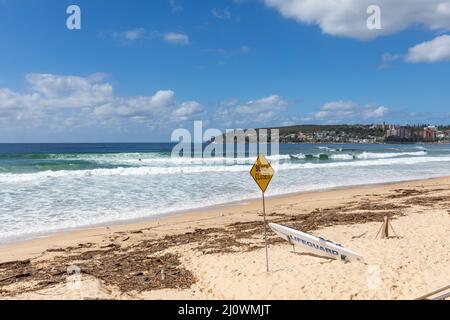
[(375, 133), (430, 133), (402, 133), (417, 133)]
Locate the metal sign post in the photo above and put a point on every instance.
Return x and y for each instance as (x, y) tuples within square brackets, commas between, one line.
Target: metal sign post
[(262, 172), (265, 232)]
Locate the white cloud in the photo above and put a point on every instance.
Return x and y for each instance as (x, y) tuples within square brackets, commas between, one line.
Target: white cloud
[(435, 50), (188, 110), (378, 112), (387, 58), (57, 99), (176, 38), (132, 35), (338, 111), (347, 18), (224, 14), (50, 93), (432, 51), (259, 111), (271, 110), (338, 106), (152, 107), (271, 103)]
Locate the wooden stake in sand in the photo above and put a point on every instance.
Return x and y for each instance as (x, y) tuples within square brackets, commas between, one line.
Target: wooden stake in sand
[(262, 172), (384, 230)]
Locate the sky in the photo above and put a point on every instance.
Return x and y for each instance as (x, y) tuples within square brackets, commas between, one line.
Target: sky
[(136, 70)]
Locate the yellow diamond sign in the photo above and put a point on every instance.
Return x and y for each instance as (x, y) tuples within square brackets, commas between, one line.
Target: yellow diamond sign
[(262, 172)]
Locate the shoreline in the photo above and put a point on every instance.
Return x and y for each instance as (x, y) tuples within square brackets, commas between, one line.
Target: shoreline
[(218, 253), (126, 224), (183, 216)]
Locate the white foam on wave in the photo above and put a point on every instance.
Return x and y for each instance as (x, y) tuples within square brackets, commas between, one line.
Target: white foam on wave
[(141, 171), (374, 155), (342, 157), (121, 171), (141, 159), (367, 163), (299, 156), (159, 159), (49, 201)]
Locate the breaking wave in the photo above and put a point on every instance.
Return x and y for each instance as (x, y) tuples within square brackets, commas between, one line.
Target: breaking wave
[(143, 171)]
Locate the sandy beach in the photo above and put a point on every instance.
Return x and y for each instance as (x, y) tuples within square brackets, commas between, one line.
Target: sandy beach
[(219, 253)]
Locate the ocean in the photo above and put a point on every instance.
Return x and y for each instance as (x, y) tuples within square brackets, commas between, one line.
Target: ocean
[(46, 188)]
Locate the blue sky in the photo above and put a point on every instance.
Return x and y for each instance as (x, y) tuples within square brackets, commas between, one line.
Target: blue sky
[(139, 69)]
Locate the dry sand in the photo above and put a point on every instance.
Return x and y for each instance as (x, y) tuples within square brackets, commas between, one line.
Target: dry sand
[(219, 253)]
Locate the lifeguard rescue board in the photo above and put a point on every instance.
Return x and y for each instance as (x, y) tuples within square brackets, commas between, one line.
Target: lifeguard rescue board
[(315, 244)]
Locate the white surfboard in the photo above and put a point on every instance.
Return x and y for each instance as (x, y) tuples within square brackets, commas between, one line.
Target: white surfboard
[(315, 244)]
